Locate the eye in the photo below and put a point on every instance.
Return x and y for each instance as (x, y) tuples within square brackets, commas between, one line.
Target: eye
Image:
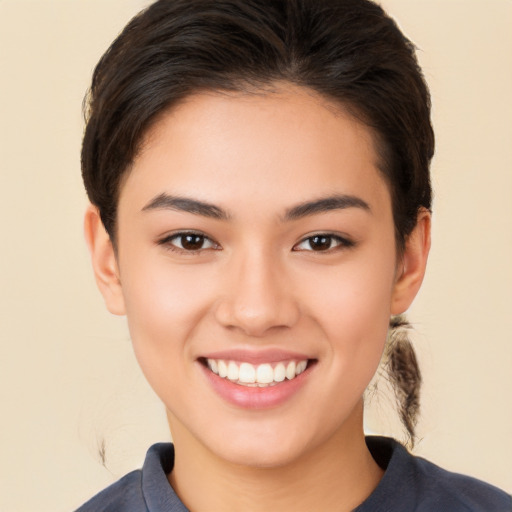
[(323, 242), (188, 242)]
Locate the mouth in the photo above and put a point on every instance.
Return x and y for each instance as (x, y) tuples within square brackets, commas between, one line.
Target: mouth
[(257, 375)]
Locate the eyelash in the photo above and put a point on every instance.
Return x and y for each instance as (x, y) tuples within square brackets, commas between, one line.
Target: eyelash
[(169, 243), (341, 242)]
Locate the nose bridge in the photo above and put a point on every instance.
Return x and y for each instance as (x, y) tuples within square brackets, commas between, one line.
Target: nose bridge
[(257, 297)]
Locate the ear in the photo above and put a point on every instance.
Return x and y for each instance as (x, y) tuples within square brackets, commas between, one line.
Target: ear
[(411, 269), (104, 261)]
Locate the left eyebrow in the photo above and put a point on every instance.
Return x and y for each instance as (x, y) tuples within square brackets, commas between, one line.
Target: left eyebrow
[(326, 204), (186, 204)]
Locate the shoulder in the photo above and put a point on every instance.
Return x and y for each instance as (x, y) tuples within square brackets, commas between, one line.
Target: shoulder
[(460, 492), (141, 490), (412, 483), (125, 495)]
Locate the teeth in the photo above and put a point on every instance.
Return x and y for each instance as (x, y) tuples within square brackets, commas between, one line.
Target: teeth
[(233, 372), (262, 375), (223, 369), (290, 371), (247, 373), (280, 372), (300, 367), (214, 367)]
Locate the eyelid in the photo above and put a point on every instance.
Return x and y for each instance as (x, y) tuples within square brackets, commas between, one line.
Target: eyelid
[(344, 242), (167, 239)]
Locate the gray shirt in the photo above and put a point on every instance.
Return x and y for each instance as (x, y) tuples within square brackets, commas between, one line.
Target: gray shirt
[(409, 484)]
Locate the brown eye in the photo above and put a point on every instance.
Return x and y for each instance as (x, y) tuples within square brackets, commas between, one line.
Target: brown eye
[(320, 243), (188, 242), (192, 242), (323, 242)]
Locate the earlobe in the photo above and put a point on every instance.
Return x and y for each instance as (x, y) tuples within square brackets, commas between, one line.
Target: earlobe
[(104, 261), (412, 264)]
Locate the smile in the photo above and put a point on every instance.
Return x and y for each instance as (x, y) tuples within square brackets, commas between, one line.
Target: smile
[(262, 375)]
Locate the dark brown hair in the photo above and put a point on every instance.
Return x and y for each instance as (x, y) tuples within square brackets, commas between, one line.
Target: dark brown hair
[(348, 51)]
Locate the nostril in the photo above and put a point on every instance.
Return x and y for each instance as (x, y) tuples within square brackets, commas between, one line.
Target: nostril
[(256, 321)]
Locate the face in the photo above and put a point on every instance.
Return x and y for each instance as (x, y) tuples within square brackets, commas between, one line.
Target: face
[(257, 268)]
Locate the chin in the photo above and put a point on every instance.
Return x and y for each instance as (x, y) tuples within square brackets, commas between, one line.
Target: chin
[(264, 457), (261, 448)]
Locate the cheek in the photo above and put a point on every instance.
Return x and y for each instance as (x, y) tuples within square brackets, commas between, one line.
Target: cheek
[(158, 292), (164, 305), (352, 306)]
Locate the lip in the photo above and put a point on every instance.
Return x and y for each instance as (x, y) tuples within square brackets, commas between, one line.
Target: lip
[(255, 398), (256, 357)]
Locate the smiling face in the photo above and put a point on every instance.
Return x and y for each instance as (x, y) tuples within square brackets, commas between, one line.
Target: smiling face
[(257, 267)]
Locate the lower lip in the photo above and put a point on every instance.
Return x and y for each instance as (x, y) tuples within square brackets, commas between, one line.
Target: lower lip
[(254, 397)]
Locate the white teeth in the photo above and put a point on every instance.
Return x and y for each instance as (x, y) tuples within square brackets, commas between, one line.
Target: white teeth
[(300, 367), (290, 370), (261, 375), (280, 372), (247, 373), (223, 369), (264, 374), (214, 367), (232, 371)]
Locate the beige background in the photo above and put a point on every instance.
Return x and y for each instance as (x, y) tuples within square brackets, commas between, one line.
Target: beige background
[(68, 380)]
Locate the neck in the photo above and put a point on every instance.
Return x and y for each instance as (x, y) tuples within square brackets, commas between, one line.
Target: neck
[(336, 475)]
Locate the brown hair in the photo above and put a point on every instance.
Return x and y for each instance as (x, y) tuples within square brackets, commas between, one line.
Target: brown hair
[(349, 51)]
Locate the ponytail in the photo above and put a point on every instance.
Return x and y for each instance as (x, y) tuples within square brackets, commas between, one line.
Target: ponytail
[(401, 367)]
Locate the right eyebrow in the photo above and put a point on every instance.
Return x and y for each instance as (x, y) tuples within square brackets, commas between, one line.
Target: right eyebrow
[(326, 204), (185, 204)]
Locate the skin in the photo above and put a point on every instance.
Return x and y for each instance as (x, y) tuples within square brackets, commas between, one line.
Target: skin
[(259, 285)]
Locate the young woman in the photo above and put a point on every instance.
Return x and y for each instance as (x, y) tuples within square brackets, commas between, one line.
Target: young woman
[(260, 211)]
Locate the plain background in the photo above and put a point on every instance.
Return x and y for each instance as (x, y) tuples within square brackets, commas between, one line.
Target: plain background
[(69, 383)]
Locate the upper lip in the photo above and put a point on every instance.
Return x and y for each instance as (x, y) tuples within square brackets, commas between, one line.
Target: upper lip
[(256, 356)]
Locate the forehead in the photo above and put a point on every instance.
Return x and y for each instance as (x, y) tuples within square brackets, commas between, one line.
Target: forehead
[(272, 148)]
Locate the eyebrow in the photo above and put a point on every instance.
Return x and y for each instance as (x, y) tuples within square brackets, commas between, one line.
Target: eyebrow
[(185, 204), (326, 204)]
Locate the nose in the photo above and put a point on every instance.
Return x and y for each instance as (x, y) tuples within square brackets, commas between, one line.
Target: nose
[(257, 297)]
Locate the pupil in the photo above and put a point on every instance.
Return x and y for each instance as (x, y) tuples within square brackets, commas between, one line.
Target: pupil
[(192, 242), (319, 243)]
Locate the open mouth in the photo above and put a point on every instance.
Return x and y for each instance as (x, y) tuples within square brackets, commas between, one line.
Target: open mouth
[(260, 375)]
